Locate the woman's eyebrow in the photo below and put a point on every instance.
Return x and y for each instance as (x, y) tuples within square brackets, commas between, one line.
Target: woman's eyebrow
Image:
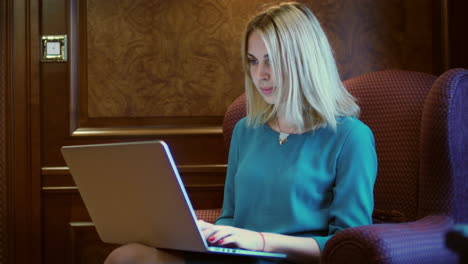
[(264, 56)]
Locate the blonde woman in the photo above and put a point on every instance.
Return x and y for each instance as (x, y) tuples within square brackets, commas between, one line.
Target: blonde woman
[(301, 165)]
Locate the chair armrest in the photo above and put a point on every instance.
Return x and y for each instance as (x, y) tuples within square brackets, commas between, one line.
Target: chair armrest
[(422, 241)]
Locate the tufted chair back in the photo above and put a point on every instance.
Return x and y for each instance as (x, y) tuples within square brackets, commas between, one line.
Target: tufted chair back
[(235, 112), (391, 105)]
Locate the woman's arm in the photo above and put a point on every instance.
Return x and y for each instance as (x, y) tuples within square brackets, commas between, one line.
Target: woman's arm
[(298, 249), (228, 208)]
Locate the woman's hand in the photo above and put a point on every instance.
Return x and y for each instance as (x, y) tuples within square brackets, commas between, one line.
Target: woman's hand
[(298, 249), (228, 235)]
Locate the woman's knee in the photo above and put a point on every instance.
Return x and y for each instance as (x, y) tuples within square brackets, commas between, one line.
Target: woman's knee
[(141, 254)]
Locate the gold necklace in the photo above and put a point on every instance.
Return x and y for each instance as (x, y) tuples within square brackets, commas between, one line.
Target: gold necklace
[(283, 137)]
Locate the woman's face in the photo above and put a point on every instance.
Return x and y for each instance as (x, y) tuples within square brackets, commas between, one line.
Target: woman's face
[(260, 70)]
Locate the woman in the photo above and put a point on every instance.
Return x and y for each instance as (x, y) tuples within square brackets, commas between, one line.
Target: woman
[(301, 165)]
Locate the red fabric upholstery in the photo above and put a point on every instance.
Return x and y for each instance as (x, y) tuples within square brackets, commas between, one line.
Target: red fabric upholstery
[(392, 243), (444, 148), (208, 215), (414, 117), (391, 105), (235, 112)]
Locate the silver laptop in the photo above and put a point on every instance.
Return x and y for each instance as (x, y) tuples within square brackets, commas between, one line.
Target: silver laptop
[(134, 193)]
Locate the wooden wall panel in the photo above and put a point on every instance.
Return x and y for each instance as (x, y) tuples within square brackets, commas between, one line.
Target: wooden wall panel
[(22, 126), (4, 145), (369, 35), (87, 247), (4, 112), (457, 38), (161, 58), (177, 64)]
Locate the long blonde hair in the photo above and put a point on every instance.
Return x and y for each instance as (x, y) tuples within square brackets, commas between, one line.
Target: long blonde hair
[(303, 68)]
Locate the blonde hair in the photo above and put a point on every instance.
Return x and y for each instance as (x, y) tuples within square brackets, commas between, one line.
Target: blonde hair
[(303, 68)]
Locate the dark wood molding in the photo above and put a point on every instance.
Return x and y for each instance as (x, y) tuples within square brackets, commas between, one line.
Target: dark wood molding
[(197, 178), (448, 41), (61, 170), (5, 16), (141, 131), (23, 132), (445, 37), (73, 65)]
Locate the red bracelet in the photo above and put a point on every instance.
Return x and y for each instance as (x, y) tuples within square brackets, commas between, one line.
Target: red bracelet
[(263, 239)]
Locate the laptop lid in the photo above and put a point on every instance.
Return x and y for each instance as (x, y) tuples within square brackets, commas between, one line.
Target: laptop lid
[(134, 193)]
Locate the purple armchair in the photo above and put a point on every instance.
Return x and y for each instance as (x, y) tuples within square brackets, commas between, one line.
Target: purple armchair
[(420, 123)]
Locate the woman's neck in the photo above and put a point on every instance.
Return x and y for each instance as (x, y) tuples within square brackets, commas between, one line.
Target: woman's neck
[(280, 124)]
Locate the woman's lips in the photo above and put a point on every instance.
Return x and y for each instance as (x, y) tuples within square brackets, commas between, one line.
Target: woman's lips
[(266, 90)]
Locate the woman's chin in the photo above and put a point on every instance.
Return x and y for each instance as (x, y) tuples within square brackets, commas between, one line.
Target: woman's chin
[(269, 101)]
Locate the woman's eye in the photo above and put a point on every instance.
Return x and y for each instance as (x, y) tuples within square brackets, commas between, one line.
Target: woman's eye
[(253, 61)]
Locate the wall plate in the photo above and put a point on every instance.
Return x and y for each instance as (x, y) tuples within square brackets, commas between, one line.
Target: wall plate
[(54, 48)]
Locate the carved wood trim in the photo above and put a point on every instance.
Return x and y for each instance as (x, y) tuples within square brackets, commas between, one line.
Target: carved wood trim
[(182, 168), (65, 183), (81, 224), (73, 65), (74, 189), (143, 131), (202, 195)]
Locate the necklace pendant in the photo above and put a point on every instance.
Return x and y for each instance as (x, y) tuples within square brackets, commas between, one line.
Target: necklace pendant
[(282, 140)]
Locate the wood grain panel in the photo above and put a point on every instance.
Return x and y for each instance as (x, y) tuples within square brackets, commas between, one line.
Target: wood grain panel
[(369, 35), (161, 58)]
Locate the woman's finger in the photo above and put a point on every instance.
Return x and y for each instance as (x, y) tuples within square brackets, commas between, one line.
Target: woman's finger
[(219, 234), (229, 240)]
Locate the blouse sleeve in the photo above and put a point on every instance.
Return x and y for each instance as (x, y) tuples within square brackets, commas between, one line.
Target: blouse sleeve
[(227, 214), (356, 172)]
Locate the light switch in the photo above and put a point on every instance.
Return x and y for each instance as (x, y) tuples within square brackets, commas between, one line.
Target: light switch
[(54, 48)]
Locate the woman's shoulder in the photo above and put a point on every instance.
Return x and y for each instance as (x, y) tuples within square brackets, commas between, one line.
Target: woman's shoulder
[(241, 124), (348, 124)]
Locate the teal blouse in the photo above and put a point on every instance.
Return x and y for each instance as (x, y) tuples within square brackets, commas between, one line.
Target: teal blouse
[(315, 184)]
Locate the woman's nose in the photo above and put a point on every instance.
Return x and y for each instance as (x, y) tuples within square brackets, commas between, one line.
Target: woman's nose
[(263, 72)]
